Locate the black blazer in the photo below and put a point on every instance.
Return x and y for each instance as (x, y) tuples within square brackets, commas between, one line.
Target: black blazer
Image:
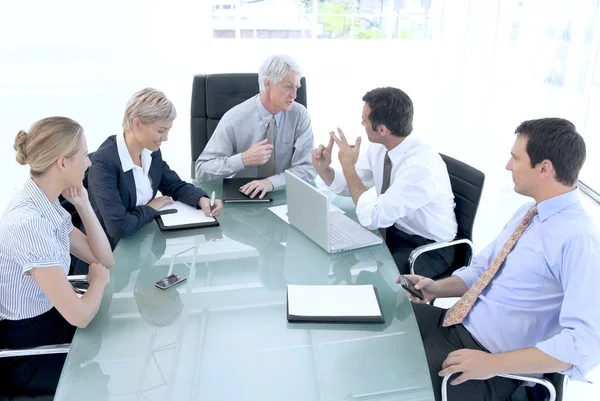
[(113, 195)]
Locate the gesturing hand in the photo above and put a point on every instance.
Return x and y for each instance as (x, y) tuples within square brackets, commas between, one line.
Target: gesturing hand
[(258, 154), (321, 156), (348, 154)]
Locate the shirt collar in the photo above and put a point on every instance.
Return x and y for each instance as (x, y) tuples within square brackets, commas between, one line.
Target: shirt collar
[(264, 114), (51, 211), (396, 154), (550, 207), (126, 160)]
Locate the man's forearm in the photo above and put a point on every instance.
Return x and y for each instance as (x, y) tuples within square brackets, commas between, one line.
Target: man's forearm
[(528, 361), (450, 287), (355, 184), (327, 175)]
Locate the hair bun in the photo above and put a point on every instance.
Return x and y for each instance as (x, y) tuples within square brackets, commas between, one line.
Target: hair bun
[(20, 144)]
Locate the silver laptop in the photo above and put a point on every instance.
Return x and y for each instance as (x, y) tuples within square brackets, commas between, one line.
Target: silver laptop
[(308, 211)]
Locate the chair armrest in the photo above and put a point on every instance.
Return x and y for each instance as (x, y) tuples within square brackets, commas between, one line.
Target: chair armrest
[(42, 350), (47, 349), (79, 283), (412, 258), (537, 380)]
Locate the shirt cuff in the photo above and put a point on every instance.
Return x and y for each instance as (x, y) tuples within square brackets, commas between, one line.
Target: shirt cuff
[(35, 265), (236, 163), (367, 201), (338, 185), (278, 181), (574, 373), (468, 275)]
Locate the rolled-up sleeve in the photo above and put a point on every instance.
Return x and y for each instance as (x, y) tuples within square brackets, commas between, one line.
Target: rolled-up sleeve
[(578, 343), (37, 247), (339, 185)]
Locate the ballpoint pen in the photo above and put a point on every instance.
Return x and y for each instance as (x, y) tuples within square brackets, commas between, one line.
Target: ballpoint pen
[(212, 203)]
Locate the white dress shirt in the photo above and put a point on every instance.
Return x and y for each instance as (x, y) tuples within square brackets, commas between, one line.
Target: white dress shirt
[(419, 200), (143, 187)]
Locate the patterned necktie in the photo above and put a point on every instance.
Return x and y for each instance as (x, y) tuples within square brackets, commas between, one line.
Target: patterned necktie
[(457, 313), (268, 169), (385, 184)]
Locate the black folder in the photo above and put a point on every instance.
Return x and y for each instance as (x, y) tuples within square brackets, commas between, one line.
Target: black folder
[(319, 317), (184, 214), (232, 194), (163, 227)]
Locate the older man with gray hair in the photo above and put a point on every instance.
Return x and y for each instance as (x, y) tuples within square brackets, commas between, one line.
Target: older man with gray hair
[(263, 136)]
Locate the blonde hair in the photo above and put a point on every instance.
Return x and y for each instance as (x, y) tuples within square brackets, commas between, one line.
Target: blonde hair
[(47, 140), (149, 105)]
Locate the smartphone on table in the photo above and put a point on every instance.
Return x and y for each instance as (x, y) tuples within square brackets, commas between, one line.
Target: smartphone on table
[(170, 281)]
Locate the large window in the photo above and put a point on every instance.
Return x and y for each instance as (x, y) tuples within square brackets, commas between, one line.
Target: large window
[(474, 69)]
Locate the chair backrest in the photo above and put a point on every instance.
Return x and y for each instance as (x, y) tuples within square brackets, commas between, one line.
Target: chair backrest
[(212, 96), (467, 185)]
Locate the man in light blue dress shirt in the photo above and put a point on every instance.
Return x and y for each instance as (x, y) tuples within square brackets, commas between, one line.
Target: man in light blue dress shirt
[(539, 314), (263, 136)]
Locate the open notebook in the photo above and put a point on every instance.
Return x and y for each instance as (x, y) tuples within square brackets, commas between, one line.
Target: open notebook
[(333, 303), (186, 217)]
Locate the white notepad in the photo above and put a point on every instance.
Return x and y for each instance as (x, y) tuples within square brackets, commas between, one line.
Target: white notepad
[(185, 215), (331, 303)]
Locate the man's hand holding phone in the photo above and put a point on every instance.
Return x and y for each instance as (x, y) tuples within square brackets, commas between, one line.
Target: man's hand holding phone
[(419, 289)]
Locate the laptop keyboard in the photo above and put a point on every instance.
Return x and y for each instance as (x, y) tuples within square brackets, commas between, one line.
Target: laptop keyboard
[(337, 235)]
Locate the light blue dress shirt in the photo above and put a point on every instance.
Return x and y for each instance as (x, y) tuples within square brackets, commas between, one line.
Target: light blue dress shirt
[(546, 294), (246, 124)]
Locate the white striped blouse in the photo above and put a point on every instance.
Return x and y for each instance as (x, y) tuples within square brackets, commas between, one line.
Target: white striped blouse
[(34, 233)]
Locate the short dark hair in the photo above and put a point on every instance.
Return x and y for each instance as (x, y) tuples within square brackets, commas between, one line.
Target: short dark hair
[(390, 107), (557, 140)]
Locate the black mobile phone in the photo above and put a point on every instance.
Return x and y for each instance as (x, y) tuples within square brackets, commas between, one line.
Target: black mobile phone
[(170, 281), (166, 211), (408, 286)]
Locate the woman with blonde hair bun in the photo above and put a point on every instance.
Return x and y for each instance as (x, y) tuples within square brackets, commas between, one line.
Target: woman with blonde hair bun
[(37, 303)]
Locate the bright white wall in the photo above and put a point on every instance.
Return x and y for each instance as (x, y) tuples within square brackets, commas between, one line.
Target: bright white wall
[(479, 76)]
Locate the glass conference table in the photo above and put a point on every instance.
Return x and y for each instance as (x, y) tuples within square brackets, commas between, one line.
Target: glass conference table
[(223, 333)]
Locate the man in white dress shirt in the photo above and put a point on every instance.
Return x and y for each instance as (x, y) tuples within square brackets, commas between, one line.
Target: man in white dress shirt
[(398, 184)]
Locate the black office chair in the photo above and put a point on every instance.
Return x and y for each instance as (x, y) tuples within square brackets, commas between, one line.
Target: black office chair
[(549, 388), (212, 96), (467, 185)]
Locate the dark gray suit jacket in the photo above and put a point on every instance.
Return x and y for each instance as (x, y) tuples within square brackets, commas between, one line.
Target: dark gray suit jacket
[(113, 195)]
